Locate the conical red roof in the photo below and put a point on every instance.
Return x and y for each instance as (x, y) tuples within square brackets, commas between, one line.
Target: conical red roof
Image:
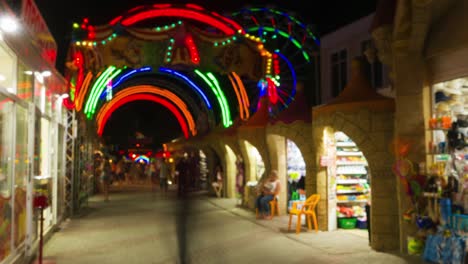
[(298, 110)]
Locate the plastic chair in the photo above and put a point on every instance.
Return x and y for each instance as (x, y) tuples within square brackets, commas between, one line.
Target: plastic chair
[(306, 208), (274, 209)]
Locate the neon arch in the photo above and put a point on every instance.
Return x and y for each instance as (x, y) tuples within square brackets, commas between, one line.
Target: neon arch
[(173, 98), (187, 80), (189, 11), (142, 97)]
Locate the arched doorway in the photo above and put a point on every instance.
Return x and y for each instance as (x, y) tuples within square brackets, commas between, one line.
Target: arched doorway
[(348, 183), (295, 173), (255, 170)]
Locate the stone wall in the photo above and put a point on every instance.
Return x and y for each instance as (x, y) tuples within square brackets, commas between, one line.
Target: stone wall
[(372, 131)]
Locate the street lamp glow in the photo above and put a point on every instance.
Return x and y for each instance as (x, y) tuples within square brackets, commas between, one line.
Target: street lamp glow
[(46, 73), (8, 24)]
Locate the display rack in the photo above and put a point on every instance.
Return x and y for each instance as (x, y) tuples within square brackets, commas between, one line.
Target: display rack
[(352, 186)]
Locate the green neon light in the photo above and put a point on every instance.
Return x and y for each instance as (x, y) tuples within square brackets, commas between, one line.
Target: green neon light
[(223, 97), (295, 20), (218, 97), (96, 91), (101, 89), (285, 35), (95, 85)]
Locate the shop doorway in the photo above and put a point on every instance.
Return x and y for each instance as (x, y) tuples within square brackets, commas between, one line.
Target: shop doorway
[(348, 184), (240, 178), (296, 173), (257, 166), (203, 166), (255, 170)]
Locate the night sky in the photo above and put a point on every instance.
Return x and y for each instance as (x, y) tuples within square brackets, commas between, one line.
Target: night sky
[(152, 119)]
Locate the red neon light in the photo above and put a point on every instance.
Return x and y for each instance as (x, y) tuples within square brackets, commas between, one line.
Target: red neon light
[(144, 97), (272, 94), (229, 21), (162, 5), (78, 60), (179, 12), (68, 104), (194, 6), (115, 20), (254, 20), (135, 9), (192, 49)]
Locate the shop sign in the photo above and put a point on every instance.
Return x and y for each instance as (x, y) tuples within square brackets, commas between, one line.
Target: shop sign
[(324, 161), (34, 22)]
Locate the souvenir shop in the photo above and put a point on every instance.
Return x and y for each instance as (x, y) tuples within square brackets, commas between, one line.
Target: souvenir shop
[(440, 199), (348, 183), (32, 132)]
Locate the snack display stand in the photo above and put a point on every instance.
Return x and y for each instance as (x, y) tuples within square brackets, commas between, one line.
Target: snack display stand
[(352, 184)]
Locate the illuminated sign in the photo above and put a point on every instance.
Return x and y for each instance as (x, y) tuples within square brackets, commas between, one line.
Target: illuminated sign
[(37, 27)]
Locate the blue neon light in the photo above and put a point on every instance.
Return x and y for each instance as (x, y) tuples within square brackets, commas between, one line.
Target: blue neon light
[(142, 157), (186, 79), (293, 73), (126, 76)]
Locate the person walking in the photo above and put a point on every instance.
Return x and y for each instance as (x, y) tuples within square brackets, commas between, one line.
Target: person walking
[(105, 177), (163, 175)]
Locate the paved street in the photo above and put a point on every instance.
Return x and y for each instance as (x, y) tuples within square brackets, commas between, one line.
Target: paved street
[(137, 226)]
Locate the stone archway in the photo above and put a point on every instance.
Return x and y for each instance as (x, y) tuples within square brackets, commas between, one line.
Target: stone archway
[(300, 133), (372, 131), (249, 194)]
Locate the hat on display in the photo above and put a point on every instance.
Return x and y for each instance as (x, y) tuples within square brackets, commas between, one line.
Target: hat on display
[(453, 87), (440, 96), (438, 87), (442, 107), (458, 108)]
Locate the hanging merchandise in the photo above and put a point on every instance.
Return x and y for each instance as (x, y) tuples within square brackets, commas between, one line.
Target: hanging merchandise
[(203, 169)]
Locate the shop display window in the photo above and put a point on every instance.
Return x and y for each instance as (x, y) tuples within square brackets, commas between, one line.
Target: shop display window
[(21, 174), (43, 180), (447, 148), (6, 169), (352, 185), (25, 86), (7, 68)]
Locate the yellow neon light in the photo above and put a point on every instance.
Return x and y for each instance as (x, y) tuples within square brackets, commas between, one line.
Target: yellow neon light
[(83, 91), (243, 93), (239, 98), (153, 90)]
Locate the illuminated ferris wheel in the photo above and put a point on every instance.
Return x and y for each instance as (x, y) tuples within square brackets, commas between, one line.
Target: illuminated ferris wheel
[(293, 46)]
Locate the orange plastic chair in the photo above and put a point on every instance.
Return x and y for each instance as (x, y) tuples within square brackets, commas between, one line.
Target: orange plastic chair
[(306, 208), (274, 209)]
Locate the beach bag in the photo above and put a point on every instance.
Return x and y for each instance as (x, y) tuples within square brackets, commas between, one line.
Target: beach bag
[(445, 249)]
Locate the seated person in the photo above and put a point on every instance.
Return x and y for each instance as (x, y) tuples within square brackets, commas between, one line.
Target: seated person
[(269, 189)]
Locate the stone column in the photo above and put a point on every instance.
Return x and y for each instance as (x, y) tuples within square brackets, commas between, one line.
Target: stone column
[(410, 74)]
